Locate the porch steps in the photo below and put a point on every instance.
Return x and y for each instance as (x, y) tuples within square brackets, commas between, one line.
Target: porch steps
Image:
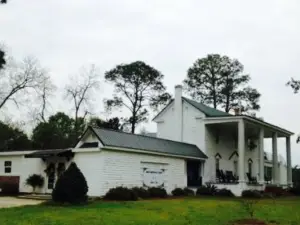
[(42, 197)]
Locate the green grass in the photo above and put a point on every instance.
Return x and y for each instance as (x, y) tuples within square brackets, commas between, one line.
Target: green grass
[(198, 211)]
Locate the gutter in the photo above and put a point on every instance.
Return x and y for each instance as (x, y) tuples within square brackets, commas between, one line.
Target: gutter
[(150, 153)]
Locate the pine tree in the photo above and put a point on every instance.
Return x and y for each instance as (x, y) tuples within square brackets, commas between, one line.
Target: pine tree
[(71, 186)]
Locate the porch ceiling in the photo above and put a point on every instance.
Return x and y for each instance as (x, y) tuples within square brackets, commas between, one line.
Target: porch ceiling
[(251, 129)]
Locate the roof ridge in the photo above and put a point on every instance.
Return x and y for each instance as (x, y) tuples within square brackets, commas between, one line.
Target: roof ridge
[(141, 135)]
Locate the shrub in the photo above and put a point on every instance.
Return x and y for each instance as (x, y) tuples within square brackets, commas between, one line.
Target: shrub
[(188, 192), (121, 194), (274, 190), (208, 189), (71, 186), (35, 180), (156, 192), (295, 190), (251, 194), (141, 192), (178, 192), (224, 193)]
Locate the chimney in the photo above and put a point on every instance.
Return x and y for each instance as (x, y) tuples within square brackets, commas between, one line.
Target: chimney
[(178, 115)]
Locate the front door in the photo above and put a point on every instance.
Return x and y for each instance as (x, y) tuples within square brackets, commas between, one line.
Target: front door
[(54, 171)]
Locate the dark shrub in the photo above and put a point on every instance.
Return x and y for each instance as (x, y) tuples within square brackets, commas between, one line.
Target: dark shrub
[(224, 193), (203, 191), (121, 194), (274, 190), (35, 180), (295, 190), (208, 189), (156, 192), (188, 192), (141, 192), (71, 186), (8, 188), (251, 194), (178, 192)]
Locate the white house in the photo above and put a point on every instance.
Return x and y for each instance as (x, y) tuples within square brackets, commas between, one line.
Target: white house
[(195, 144)]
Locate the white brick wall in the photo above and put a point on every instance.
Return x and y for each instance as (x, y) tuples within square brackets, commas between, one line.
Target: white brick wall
[(125, 169)]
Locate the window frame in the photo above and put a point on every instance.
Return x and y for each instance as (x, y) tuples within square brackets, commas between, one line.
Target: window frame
[(7, 166)]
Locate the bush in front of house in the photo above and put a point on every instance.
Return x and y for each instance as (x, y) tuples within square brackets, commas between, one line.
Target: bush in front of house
[(178, 192), (224, 193), (208, 189), (183, 192), (157, 192), (188, 192), (141, 192), (35, 181), (121, 194), (71, 187), (251, 194), (274, 190), (295, 190)]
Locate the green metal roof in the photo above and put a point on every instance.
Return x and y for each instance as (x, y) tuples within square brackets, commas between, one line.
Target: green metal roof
[(112, 138), (208, 111)]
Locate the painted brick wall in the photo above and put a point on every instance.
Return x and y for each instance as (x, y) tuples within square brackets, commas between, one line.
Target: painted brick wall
[(121, 168)]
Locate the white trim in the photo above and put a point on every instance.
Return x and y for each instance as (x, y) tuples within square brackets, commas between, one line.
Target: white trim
[(149, 153), (17, 152), (237, 118), (86, 150)]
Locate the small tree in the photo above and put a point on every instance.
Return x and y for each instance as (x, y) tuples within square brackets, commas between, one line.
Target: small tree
[(35, 181), (71, 186)]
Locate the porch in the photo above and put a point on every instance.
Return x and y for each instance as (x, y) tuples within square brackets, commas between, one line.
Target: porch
[(238, 161), (54, 162)]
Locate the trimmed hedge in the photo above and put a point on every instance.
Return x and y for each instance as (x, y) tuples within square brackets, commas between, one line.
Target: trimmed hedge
[(141, 192), (178, 192), (224, 193), (275, 190), (156, 192), (295, 190), (251, 194), (188, 192), (208, 189), (121, 194)]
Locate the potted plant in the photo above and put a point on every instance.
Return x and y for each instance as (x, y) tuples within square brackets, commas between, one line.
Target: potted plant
[(35, 181)]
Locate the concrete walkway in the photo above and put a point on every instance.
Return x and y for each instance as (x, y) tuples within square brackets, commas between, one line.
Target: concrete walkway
[(6, 202)]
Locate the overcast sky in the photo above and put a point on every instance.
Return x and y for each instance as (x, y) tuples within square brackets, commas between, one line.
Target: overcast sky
[(167, 34)]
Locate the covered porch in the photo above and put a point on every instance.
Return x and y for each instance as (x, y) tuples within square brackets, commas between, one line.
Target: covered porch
[(245, 167), (55, 162)]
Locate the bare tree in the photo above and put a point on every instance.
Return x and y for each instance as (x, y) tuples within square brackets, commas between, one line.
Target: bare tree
[(80, 90), (39, 113), (20, 80)]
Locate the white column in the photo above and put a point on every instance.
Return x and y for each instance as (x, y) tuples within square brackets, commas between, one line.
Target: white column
[(275, 159), (261, 157), (241, 150), (289, 161)]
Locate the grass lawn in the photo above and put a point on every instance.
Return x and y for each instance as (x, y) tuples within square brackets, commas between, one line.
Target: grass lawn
[(198, 211)]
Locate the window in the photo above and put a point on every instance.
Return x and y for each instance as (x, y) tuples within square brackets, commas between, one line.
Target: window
[(217, 164), (235, 168), (250, 168), (7, 167)]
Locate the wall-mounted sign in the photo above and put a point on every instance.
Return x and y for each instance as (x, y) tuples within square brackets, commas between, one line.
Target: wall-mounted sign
[(153, 177)]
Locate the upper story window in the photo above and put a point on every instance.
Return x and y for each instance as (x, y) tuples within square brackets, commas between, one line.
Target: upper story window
[(7, 167)]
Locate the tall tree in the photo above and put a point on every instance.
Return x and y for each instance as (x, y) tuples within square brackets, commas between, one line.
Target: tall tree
[(12, 138), (57, 132), (3, 1), (113, 123), (80, 90), (19, 80), (136, 86), (2, 59), (219, 81)]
